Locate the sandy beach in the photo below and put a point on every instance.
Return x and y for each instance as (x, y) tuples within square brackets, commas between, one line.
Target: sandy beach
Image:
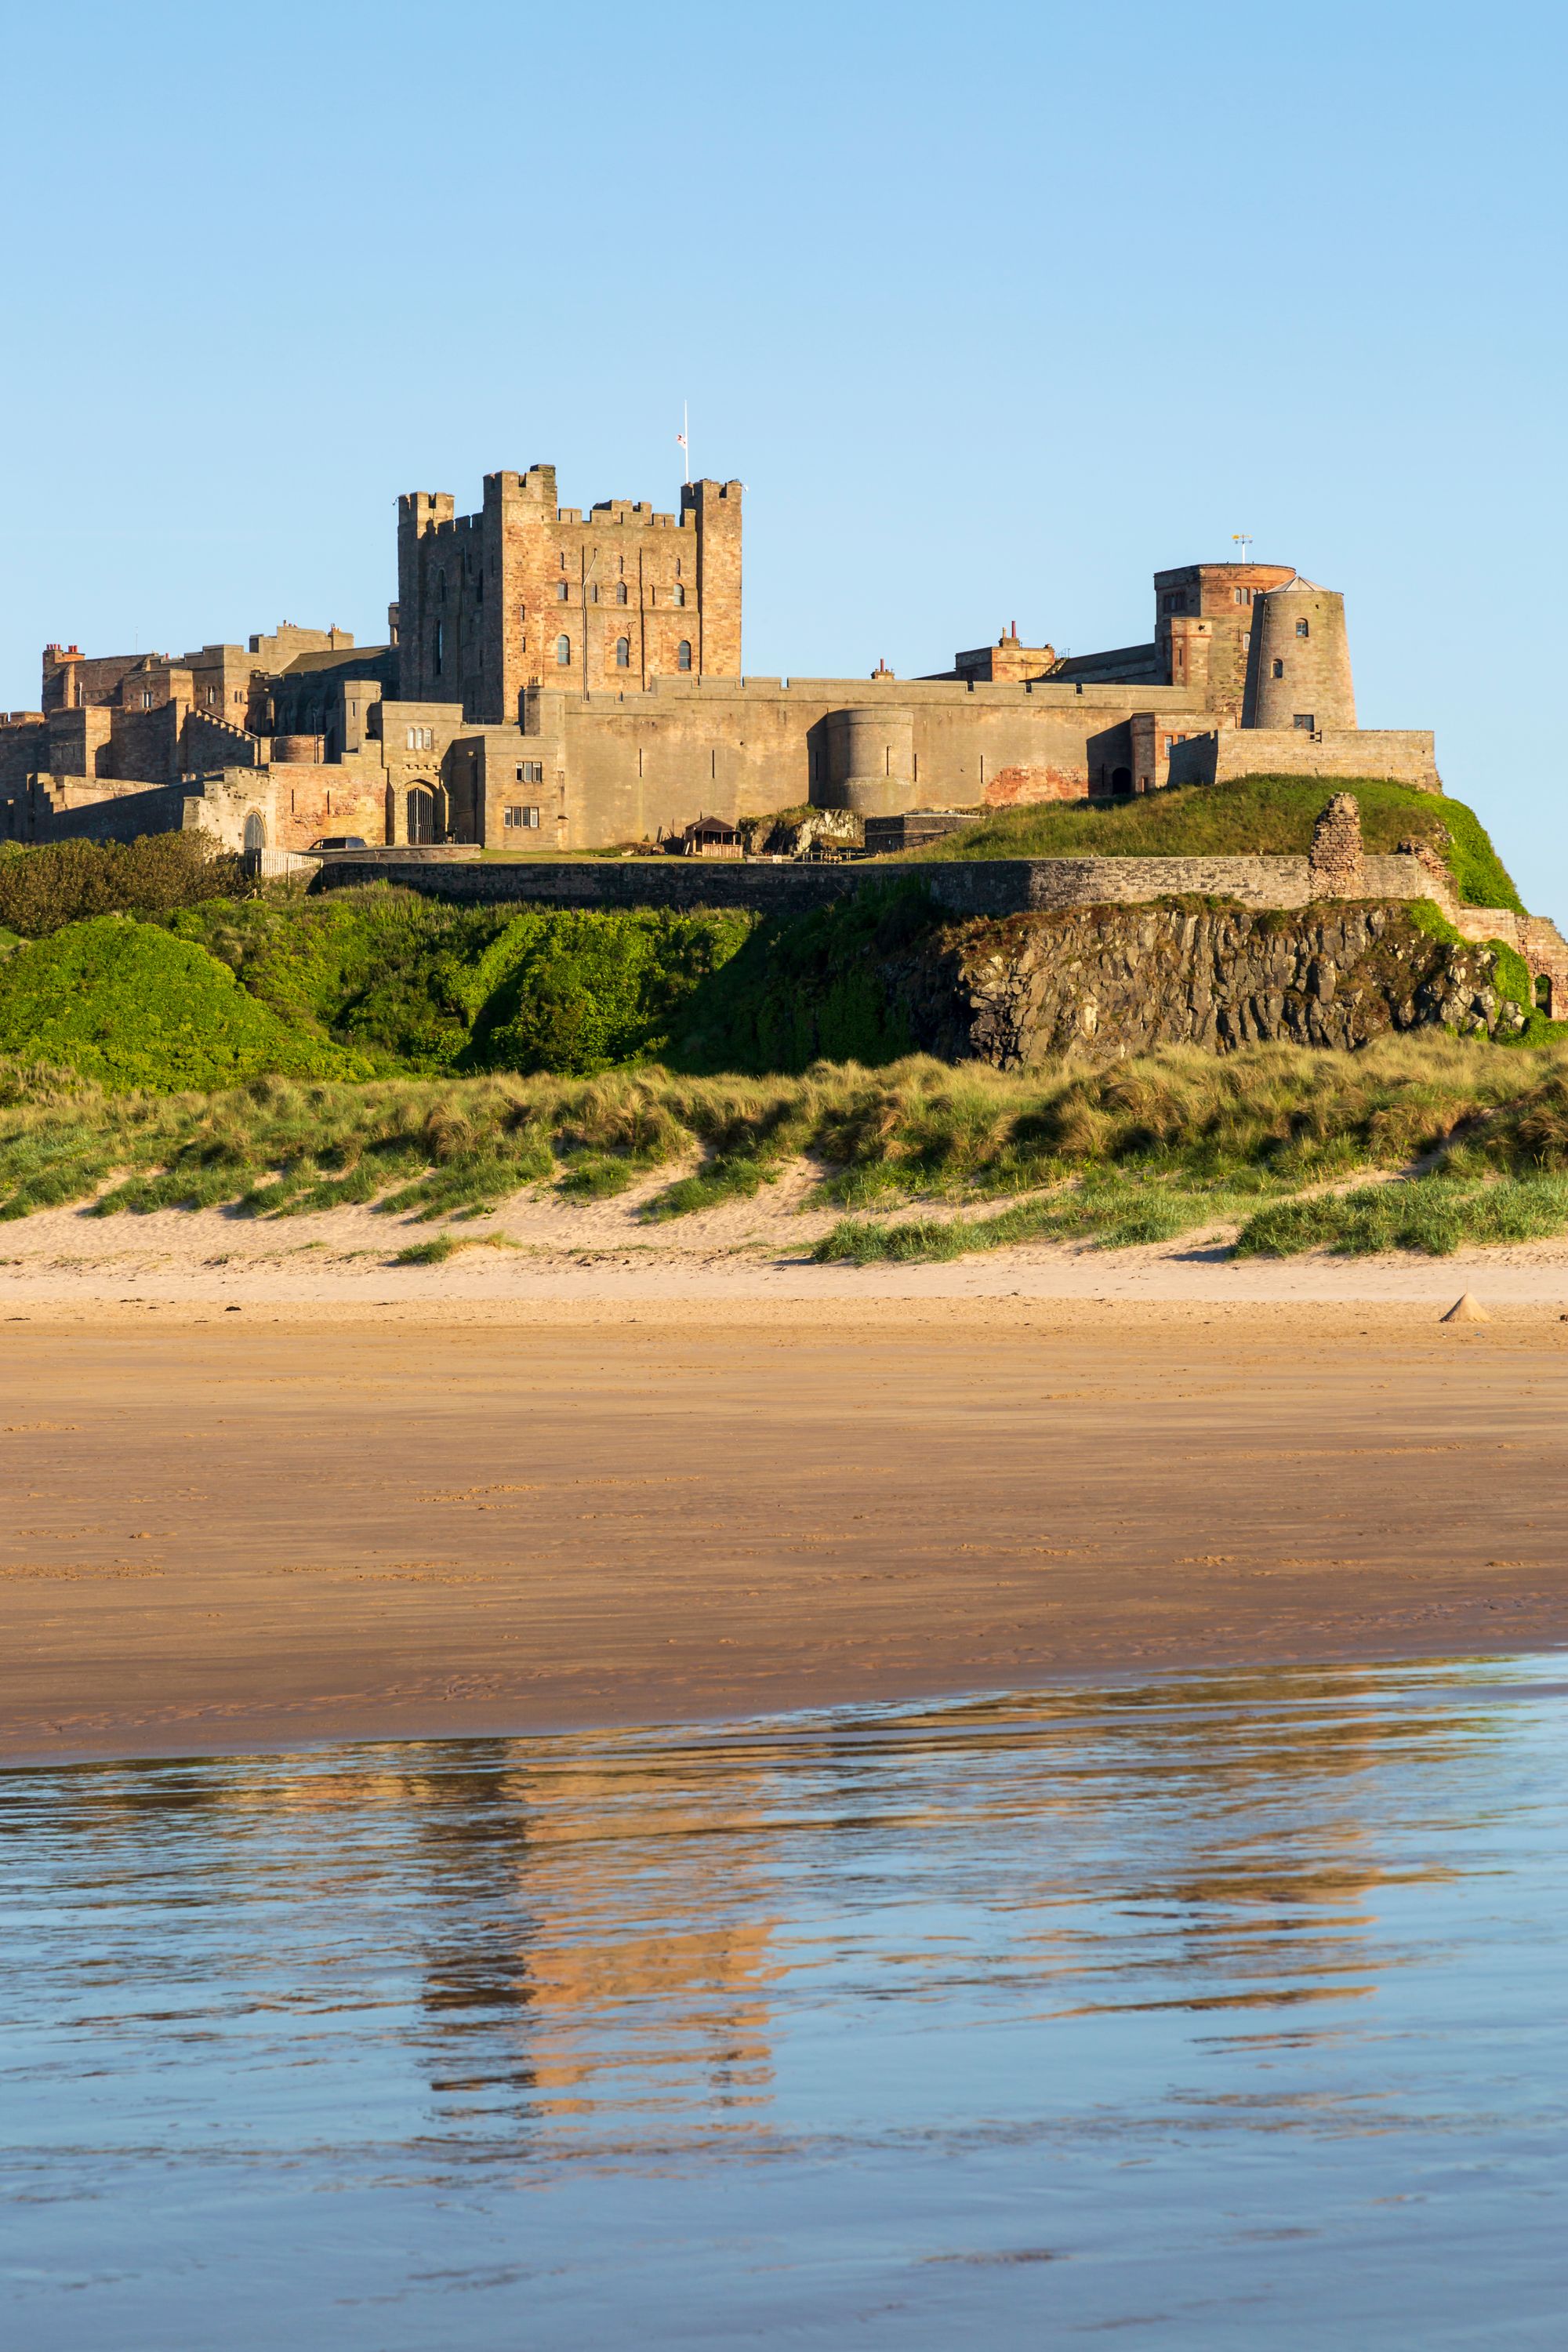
[(264, 1488)]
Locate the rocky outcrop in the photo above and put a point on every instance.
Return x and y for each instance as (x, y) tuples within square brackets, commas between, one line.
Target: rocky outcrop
[(1113, 981)]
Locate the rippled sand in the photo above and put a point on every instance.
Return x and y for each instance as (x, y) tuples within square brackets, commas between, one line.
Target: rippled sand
[(247, 1531)]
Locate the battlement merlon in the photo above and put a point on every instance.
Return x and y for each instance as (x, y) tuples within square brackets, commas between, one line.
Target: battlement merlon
[(421, 510)]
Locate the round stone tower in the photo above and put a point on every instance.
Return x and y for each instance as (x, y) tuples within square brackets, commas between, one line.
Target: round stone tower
[(872, 759), (1299, 665)]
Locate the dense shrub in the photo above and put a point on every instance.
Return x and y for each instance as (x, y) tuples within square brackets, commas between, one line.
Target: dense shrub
[(581, 993), (413, 985), (385, 971), (123, 1004), (61, 882), (809, 988)]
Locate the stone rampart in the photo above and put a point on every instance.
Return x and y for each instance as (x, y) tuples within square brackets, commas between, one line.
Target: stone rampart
[(988, 885)]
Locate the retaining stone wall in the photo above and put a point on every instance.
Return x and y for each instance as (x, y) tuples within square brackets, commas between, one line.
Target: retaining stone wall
[(997, 885)]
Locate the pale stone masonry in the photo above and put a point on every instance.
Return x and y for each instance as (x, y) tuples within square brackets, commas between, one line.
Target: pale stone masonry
[(561, 678)]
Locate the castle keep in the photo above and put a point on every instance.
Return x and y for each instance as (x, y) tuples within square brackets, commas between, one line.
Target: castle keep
[(556, 679)]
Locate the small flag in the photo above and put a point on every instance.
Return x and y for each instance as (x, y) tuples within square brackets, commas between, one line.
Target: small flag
[(680, 440)]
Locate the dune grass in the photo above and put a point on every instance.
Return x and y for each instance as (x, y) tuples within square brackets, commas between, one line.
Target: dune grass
[(436, 1251), (1113, 1216), (1139, 1151), (1434, 1215)]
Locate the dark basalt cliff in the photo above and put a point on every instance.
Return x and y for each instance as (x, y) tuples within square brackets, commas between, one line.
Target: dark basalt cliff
[(1104, 981)]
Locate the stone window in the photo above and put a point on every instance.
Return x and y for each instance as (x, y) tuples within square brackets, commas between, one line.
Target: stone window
[(1303, 628), (683, 654), (421, 739), (562, 589), (522, 820), (440, 644), (623, 653), (1279, 669), (620, 592), (564, 652), (1238, 596), (593, 594), (1305, 721), (440, 587), (678, 595), (678, 567), (530, 772)]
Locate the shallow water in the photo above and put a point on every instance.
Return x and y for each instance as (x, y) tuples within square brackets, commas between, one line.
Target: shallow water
[(1217, 2011)]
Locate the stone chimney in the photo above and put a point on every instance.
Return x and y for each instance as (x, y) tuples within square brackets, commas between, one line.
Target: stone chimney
[(1336, 855)]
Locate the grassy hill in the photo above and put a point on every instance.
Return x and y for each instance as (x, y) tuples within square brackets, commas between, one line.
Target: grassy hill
[(1258, 815), (125, 1005)]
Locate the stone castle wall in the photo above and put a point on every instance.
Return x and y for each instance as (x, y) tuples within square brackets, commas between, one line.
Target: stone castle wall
[(1395, 755), (991, 885)]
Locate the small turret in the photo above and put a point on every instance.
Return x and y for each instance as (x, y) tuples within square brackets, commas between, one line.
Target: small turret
[(1298, 669)]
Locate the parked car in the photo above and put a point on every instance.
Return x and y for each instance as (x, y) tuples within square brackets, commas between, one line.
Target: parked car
[(341, 841)]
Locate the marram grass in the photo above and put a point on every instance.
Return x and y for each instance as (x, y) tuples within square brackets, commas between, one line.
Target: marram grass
[(1139, 1151)]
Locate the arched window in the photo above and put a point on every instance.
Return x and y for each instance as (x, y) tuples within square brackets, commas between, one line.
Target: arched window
[(678, 595), (255, 831), (620, 592), (564, 652), (562, 590), (683, 654), (623, 653)]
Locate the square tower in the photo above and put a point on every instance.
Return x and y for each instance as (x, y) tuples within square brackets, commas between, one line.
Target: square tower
[(1203, 626), (527, 594)]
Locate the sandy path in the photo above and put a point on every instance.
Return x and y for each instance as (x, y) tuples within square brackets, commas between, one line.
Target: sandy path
[(226, 1531), (743, 1257)]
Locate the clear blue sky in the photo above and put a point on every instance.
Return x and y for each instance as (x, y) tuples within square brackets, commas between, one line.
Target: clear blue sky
[(995, 311)]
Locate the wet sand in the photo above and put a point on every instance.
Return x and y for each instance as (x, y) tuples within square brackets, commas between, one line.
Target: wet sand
[(226, 1531)]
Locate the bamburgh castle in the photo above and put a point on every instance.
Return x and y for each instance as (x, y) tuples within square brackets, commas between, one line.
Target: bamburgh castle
[(555, 680)]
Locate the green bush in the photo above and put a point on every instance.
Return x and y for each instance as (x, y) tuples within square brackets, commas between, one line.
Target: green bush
[(416, 985), (578, 994), (387, 973), (125, 1004), (61, 882), (811, 988)]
